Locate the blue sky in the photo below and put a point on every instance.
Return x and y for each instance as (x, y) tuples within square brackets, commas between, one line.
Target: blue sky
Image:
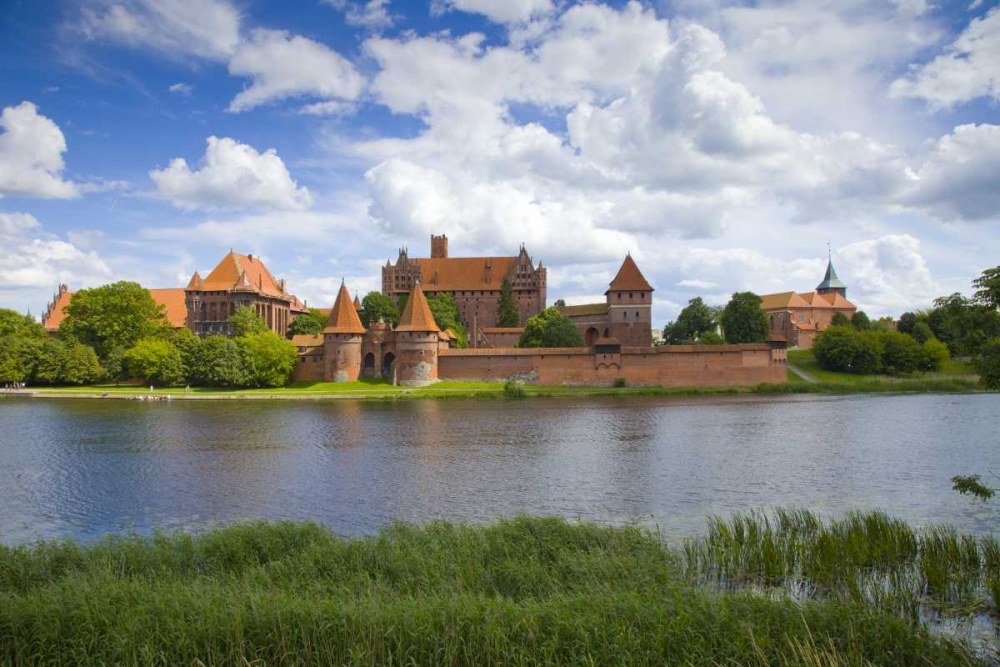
[(722, 143)]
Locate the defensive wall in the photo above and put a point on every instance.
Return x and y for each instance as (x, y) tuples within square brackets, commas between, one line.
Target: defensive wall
[(666, 366)]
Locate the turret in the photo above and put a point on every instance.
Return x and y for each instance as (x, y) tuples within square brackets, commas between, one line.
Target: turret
[(342, 339), (630, 301), (417, 338)]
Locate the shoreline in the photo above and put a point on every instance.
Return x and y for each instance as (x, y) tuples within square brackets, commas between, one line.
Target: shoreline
[(929, 386)]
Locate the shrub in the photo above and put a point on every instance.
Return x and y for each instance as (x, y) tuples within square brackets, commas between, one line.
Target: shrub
[(513, 389), (849, 351), (156, 361), (901, 353), (988, 364), (270, 359), (620, 382), (921, 332), (933, 354)]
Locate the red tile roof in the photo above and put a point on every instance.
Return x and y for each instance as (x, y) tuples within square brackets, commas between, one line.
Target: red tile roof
[(629, 277), (584, 309), (57, 311), (453, 274), (242, 272), (172, 300), (344, 318), (417, 314)]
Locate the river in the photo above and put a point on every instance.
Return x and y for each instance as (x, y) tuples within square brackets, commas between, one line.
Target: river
[(84, 468)]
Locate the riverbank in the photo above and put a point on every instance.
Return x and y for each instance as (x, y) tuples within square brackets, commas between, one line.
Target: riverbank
[(495, 390), (523, 591)]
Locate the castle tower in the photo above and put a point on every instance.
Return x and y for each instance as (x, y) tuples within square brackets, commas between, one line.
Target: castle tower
[(630, 306), (417, 343), (342, 340), (439, 247), (831, 283)]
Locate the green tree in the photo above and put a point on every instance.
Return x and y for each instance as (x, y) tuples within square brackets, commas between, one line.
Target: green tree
[(110, 316), (962, 325), (988, 364), (307, 324), (246, 321), (13, 323), (156, 361), (693, 322), (933, 355), (270, 359), (218, 361), (839, 320), (885, 323), (711, 338), (51, 355), (860, 321), (80, 365), (848, 351), (906, 323), (988, 288), (550, 328), (114, 365), (377, 306), (560, 303), (18, 358), (901, 354), (507, 315), (743, 320), (445, 311), (921, 332)]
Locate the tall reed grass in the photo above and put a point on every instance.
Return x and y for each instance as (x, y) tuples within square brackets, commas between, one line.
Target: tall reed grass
[(519, 592)]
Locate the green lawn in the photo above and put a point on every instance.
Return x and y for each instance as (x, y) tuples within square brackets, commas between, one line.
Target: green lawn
[(805, 360)]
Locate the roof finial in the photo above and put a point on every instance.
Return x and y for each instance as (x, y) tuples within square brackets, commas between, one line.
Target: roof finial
[(829, 253)]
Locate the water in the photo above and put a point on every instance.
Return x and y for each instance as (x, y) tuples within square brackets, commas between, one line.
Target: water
[(83, 468)]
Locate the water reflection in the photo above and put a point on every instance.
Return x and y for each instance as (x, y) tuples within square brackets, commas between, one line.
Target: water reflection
[(83, 468)]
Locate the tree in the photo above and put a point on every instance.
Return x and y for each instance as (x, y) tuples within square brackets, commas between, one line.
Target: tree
[(922, 333), (988, 288), (906, 323), (445, 311), (18, 357), (507, 315), (988, 364), (860, 321), (13, 323), (306, 324), (693, 322), (962, 325), (80, 365), (156, 361), (246, 322), (839, 320), (49, 362), (711, 338), (884, 323), (933, 355), (901, 354), (743, 320), (270, 359), (110, 316), (550, 328), (218, 361), (377, 306), (560, 303), (848, 351), (114, 365)]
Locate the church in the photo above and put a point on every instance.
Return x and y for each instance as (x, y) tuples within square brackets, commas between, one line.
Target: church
[(798, 318)]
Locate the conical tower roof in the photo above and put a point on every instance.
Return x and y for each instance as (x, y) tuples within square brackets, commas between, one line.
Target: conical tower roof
[(417, 314), (196, 282), (830, 280), (344, 318), (629, 277), (357, 302)]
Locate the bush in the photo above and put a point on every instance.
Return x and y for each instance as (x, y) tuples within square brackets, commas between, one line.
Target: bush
[(847, 350), (218, 361), (550, 328), (270, 359), (156, 361), (921, 332), (620, 382), (901, 353), (513, 389), (988, 364), (933, 354)]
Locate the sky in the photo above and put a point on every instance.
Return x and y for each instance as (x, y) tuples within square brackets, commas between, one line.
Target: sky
[(726, 145)]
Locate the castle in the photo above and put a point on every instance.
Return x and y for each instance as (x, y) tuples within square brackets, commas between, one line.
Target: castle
[(798, 318)]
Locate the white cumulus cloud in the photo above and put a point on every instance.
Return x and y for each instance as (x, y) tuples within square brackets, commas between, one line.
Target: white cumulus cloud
[(177, 28), (31, 150), (233, 175), (968, 69), (283, 65), (498, 11)]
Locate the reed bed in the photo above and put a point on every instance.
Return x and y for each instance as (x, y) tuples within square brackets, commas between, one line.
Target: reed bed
[(866, 558), (525, 591)]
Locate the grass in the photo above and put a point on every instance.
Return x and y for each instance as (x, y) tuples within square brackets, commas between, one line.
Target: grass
[(522, 591), (953, 369), (868, 559)]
